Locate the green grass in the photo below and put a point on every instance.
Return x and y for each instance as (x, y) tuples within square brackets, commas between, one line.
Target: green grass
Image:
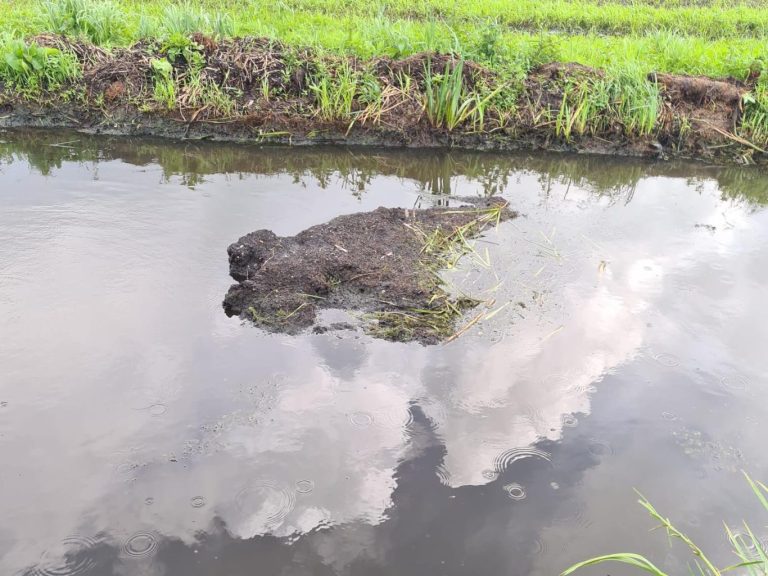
[(717, 40), (628, 40), (711, 20), (623, 98), (99, 22), (754, 124), (449, 104), (31, 68), (335, 91), (750, 556)]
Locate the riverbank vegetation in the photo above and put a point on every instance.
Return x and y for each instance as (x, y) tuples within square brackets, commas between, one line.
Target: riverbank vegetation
[(572, 73)]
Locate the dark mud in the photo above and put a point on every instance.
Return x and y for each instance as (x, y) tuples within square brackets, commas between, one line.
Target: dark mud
[(383, 263), (266, 96)]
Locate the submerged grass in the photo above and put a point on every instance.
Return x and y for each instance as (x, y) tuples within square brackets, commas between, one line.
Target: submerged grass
[(749, 550), (441, 249)]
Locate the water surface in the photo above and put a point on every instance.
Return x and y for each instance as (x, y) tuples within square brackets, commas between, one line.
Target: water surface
[(142, 432)]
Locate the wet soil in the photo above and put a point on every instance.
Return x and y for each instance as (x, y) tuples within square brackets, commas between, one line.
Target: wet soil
[(270, 100), (383, 263)]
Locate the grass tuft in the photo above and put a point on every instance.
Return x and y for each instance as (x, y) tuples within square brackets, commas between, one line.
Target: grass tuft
[(31, 68), (98, 21), (747, 547), (334, 91)]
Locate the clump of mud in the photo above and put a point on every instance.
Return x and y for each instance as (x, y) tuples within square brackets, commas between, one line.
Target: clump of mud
[(713, 107), (383, 263)]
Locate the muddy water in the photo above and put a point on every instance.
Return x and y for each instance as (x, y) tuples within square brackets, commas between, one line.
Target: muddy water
[(142, 432)]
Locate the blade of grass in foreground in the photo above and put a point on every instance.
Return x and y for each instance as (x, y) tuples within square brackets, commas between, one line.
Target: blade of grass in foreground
[(635, 560), (746, 546)]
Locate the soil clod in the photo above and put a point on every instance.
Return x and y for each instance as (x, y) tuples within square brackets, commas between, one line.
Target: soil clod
[(384, 264)]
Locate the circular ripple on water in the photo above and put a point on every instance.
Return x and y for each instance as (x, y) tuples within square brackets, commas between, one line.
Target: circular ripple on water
[(734, 382), (754, 548), (127, 467), (197, 501), (669, 416), (304, 486), (515, 491), (71, 559), (400, 418), (443, 475), (508, 457), (140, 544), (435, 412), (272, 501), (582, 518), (569, 421), (490, 474), (157, 409), (361, 419), (533, 417), (599, 448), (667, 360)]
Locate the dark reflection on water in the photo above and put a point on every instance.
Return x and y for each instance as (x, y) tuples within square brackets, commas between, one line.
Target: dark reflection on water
[(144, 433), (354, 169)]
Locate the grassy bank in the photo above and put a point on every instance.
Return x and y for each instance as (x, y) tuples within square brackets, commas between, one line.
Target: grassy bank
[(328, 56), (714, 40)]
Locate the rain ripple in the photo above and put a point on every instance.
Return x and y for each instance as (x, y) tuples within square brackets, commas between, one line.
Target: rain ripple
[(515, 491), (509, 457), (272, 502), (140, 544), (74, 557)]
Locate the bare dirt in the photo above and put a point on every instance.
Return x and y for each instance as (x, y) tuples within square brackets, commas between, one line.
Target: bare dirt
[(712, 107), (383, 263)]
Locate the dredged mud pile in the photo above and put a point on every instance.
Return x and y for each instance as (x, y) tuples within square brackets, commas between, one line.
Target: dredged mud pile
[(259, 90), (384, 263)]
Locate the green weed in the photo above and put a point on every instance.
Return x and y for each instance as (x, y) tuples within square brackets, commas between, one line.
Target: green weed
[(181, 49), (448, 104), (754, 122), (222, 26), (148, 28), (621, 98), (633, 99), (748, 548), (98, 21), (186, 18), (717, 40), (183, 19), (335, 92), (30, 67), (164, 86)]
